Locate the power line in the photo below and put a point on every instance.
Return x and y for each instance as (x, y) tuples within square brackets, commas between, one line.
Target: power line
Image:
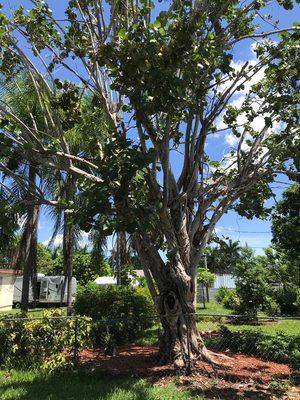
[(234, 230)]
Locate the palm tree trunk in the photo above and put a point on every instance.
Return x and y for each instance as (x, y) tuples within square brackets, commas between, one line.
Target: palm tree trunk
[(69, 242), (121, 256), (68, 250), (27, 253)]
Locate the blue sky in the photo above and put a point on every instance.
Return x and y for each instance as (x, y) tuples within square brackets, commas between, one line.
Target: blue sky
[(255, 233)]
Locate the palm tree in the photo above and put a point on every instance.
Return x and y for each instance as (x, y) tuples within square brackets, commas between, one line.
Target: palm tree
[(20, 96), (25, 104), (62, 187)]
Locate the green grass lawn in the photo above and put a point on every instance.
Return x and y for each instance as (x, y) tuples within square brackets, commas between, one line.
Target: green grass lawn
[(213, 308), (289, 327), (35, 312), (32, 312), (32, 385)]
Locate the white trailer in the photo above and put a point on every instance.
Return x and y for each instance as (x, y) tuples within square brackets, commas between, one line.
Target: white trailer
[(49, 290)]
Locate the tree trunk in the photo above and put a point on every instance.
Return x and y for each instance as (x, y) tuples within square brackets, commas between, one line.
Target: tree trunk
[(69, 242), (121, 256), (203, 295), (32, 258), (207, 293), (196, 291), (27, 254), (181, 342), (68, 251), (173, 289)]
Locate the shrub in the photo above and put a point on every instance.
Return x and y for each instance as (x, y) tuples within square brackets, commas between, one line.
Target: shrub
[(252, 285), (222, 292), (297, 303), (287, 298), (57, 363), (228, 298), (271, 307), (26, 342), (120, 314), (280, 348), (231, 300)]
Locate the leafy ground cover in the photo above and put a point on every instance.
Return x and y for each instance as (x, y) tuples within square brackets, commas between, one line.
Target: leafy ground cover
[(32, 385)]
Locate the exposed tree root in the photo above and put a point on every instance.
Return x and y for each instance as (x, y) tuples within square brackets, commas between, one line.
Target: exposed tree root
[(217, 360)]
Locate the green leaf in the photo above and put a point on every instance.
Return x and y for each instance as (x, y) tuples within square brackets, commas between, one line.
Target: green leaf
[(122, 34), (162, 31), (157, 24), (214, 164)]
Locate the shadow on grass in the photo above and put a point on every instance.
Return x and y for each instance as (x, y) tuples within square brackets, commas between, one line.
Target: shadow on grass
[(232, 394), (71, 386), (86, 385), (96, 385)]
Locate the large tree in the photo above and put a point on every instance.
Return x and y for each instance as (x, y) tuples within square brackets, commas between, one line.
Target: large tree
[(168, 82)]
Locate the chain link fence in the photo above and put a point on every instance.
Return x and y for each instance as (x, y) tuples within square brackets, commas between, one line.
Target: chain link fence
[(25, 341)]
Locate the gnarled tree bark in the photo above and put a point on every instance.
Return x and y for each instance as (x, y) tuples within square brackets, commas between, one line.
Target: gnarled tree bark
[(173, 292)]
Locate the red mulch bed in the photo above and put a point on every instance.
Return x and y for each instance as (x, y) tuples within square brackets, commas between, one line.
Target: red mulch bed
[(240, 375)]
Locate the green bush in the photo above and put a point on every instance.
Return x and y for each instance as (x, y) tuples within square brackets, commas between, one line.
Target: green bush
[(26, 342), (280, 348), (228, 298), (120, 314), (297, 303), (287, 298), (271, 307), (251, 282), (222, 292)]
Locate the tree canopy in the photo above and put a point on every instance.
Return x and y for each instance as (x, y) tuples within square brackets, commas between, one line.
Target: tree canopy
[(286, 221)]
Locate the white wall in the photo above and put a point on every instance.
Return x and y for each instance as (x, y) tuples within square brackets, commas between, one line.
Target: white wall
[(224, 280), (6, 291)]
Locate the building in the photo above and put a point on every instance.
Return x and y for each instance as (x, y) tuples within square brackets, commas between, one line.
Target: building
[(105, 280), (111, 280), (222, 280), (7, 282)]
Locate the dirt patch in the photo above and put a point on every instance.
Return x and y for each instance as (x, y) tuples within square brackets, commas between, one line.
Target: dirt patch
[(292, 394), (242, 368), (239, 375), (130, 360)]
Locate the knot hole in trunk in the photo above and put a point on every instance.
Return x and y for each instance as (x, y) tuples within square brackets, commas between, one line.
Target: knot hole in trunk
[(172, 305)]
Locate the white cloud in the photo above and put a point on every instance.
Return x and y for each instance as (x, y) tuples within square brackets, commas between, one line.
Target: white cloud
[(231, 139), (84, 240), (237, 66), (58, 241)]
